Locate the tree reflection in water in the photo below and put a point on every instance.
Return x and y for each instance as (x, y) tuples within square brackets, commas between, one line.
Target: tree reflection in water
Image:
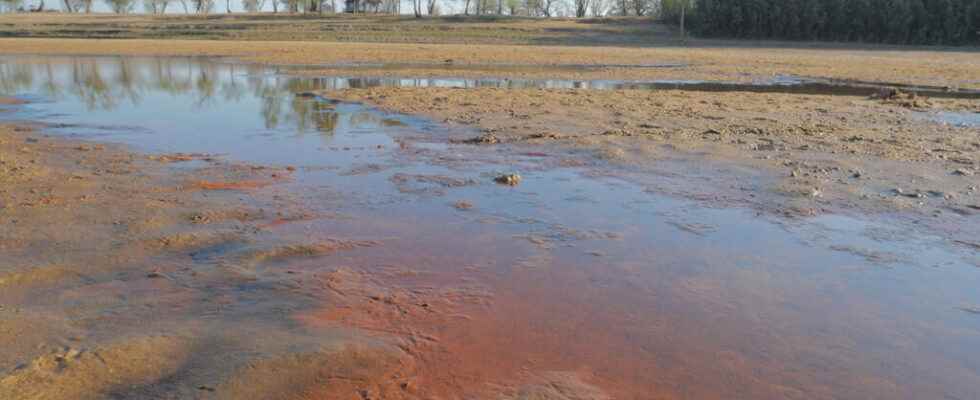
[(104, 83)]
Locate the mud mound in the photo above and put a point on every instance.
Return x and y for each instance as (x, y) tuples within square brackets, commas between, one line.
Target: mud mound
[(306, 250), (80, 374), (356, 372), (899, 98), (557, 386), (35, 276)]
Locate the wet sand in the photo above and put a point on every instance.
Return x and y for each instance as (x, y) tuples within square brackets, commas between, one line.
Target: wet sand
[(98, 299), (825, 153)]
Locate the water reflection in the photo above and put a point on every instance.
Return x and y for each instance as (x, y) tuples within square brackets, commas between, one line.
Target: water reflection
[(108, 83)]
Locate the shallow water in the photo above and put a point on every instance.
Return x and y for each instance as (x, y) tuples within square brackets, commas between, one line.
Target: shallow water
[(586, 268), (960, 119)]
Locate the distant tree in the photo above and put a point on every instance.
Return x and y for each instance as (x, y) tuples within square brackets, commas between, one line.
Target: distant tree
[(598, 7), (581, 7), (121, 6), (156, 6), (888, 21), (203, 6), (251, 6), (547, 7), (72, 6), (11, 5)]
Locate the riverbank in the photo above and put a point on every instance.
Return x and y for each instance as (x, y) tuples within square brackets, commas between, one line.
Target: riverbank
[(730, 62)]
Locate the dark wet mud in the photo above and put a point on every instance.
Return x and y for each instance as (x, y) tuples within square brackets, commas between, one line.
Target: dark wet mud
[(770, 84), (373, 255)]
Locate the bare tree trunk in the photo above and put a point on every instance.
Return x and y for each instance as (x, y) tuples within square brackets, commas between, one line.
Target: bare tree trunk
[(683, 11)]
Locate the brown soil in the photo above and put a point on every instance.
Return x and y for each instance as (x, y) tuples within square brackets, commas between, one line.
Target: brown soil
[(726, 61)]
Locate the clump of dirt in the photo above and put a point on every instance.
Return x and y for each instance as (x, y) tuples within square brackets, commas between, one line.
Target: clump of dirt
[(463, 205), (508, 179), (428, 184), (899, 98), (486, 138)]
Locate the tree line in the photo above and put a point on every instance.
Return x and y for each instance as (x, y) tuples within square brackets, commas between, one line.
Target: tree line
[(954, 22), (526, 8)]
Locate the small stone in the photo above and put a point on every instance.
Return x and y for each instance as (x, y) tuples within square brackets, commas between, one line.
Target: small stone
[(486, 138), (508, 179), (155, 274), (963, 172)]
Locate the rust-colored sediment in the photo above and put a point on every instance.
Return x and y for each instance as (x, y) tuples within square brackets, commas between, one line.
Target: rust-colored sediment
[(234, 185)]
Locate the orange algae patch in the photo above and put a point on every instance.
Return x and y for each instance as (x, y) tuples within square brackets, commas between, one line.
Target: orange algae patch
[(232, 185), (11, 101)]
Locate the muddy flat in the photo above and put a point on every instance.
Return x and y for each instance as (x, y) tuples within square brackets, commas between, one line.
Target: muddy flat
[(362, 223)]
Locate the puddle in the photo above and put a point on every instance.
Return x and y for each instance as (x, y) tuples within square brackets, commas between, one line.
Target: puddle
[(500, 68), (778, 84), (769, 84), (960, 119), (577, 268)]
